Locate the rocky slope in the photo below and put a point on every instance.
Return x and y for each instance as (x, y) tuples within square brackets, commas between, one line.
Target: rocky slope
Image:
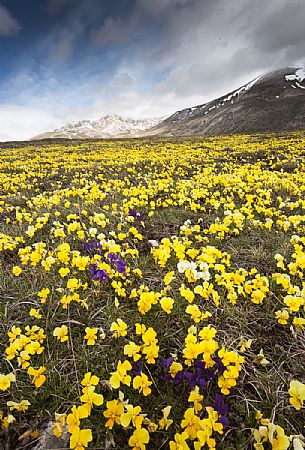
[(272, 102)]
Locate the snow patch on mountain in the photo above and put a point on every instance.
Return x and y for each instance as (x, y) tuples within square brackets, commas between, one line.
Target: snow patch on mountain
[(296, 78), (207, 107)]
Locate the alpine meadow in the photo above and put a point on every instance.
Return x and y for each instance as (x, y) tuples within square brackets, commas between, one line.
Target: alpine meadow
[(152, 225), (152, 293)]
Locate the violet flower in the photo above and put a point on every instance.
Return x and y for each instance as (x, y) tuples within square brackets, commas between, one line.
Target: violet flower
[(222, 408), (136, 368), (98, 275)]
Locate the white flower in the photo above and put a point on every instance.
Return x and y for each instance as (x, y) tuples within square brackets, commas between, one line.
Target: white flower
[(298, 444), (182, 266), (204, 275), (153, 243)]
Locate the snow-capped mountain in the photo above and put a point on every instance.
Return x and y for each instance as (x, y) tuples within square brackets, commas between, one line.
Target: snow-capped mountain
[(271, 102), (108, 126)]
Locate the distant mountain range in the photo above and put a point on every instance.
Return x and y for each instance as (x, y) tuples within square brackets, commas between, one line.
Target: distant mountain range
[(108, 126), (271, 102)]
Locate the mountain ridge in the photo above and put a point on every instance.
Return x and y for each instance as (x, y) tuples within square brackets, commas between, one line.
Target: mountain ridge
[(111, 125), (274, 101)]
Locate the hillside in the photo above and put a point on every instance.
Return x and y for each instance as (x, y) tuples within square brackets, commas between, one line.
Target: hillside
[(272, 102)]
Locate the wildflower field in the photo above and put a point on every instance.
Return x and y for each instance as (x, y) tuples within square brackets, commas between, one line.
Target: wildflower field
[(152, 293)]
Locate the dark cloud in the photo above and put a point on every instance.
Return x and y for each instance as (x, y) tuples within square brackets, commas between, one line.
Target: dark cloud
[(146, 58), (56, 6), (8, 24)]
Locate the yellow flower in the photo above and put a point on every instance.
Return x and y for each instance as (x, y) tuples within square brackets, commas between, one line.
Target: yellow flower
[(38, 378), (297, 394), (142, 383), (89, 380), (91, 335), (132, 414), (80, 438), (132, 350), (165, 422), (73, 419), (60, 422), (179, 443), (61, 333), (64, 271), (17, 271), (299, 323), (73, 284), (23, 359), (293, 302), (14, 333), (196, 398), (81, 262), (175, 368), (120, 375), (167, 304), (43, 295), (35, 313), (257, 296), (169, 277), (191, 423), (119, 328), (90, 398), (140, 328), (21, 407), (113, 413), (6, 421), (187, 293), (6, 380), (138, 439)]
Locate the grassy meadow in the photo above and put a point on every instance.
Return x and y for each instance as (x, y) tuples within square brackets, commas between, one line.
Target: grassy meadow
[(152, 293)]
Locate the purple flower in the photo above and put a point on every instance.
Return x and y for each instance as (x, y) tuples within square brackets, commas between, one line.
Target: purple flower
[(121, 266), (190, 377), (137, 368), (195, 379), (136, 215), (112, 257), (98, 275), (220, 405), (222, 408), (101, 275), (220, 367), (89, 247), (132, 213), (209, 374), (119, 263), (166, 363), (224, 420), (93, 270), (178, 378), (200, 376)]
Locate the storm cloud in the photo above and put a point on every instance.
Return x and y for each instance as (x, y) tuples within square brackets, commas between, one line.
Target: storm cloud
[(138, 58)]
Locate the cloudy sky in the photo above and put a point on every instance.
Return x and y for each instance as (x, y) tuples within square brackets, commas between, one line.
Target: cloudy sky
[(62, 60)]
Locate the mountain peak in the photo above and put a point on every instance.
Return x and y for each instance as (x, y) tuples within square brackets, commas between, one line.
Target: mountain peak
[(111, 125), (274, 101)]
